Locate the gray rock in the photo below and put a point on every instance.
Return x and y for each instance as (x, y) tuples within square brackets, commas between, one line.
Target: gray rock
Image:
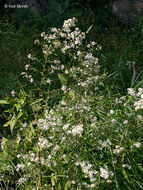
[(128, 10)]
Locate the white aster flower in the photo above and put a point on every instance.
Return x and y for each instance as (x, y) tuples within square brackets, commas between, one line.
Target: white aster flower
[(65, 127), (112, 112), (137, 144), (114, 121), (48, 81), (125, 122), (29, 56), (64, 88), (37, 42), (104, 173), (13, 93), (131, 91), (118, 149), (43, 34)]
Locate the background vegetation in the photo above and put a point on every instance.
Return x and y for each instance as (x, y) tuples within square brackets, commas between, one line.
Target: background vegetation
[(19, 28), (121, 58)]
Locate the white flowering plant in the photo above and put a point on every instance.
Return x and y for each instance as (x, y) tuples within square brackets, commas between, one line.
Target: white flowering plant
[(64, 131)]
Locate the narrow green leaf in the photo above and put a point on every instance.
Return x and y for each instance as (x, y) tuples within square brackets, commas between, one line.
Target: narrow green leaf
[(125, 174), (7, 124), (19, 115), (53, 180), (12, 124), (67, 186), (37, 101), (59, 187), (32, 129), (3, 102), (71, 94), (21, 101), (62, 79)]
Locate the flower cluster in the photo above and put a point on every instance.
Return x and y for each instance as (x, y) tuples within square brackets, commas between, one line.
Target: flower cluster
[(139, 104), (138, 96), (69, 41), (89, 173), (21, 180), (126, 166), (131, 91), (70, 38), (104, 144), (118, 149), (105, 173), (73, 122), (20, 167), (29, 77), (52, 121), (44, 143), (77, 130)]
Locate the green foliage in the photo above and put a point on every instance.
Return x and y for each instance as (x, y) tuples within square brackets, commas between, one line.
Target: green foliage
[(21, 15), (67, 124), (89, 138), (59, 10)]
